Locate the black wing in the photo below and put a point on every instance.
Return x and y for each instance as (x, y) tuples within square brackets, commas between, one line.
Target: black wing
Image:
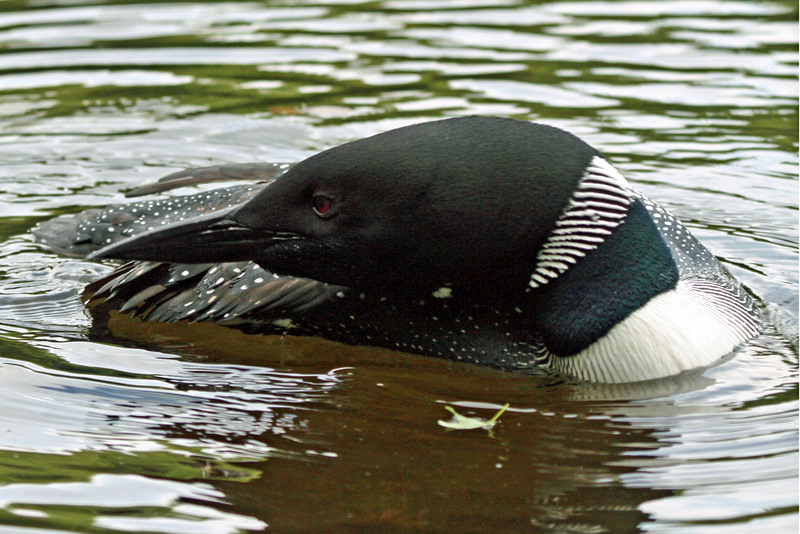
[(235, 172), (222, 292), (82, 233)]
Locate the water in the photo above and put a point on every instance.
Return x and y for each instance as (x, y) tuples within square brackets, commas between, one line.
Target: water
[(173, 429)]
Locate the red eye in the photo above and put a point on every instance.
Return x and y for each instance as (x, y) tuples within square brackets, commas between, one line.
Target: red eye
[(322, 205)]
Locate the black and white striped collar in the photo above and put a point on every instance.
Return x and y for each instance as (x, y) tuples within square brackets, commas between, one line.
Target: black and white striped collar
[(598, 205)]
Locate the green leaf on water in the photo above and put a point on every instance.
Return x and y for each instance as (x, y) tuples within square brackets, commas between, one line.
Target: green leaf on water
[(462, 422)]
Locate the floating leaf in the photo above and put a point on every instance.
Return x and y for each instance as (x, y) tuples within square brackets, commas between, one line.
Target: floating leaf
[(462, 422)]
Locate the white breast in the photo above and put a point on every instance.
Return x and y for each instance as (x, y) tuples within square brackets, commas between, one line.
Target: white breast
[(691, 326)]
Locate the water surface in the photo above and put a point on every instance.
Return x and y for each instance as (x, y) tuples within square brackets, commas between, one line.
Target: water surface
[(175, 428)]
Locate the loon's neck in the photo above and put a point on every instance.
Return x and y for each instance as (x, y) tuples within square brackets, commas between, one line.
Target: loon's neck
[(583, 303)]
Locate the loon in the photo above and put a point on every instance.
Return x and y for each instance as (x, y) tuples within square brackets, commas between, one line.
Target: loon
[(487, 240)]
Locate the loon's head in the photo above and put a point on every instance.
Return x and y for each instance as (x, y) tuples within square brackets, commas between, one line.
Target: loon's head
[(465, 202)]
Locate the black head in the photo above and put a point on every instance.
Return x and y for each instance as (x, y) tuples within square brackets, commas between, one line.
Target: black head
[(462, 202), (465, 202)]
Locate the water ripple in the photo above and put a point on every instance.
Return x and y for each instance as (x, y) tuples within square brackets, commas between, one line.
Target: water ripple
[(180, 430)]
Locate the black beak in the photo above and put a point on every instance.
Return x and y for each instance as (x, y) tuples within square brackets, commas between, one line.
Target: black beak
[(211, 238)]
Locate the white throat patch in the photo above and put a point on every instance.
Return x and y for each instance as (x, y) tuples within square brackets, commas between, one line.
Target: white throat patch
[(598, 205)]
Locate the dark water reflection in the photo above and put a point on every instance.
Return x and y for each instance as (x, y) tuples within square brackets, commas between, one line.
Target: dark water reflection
[(198, 429)]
